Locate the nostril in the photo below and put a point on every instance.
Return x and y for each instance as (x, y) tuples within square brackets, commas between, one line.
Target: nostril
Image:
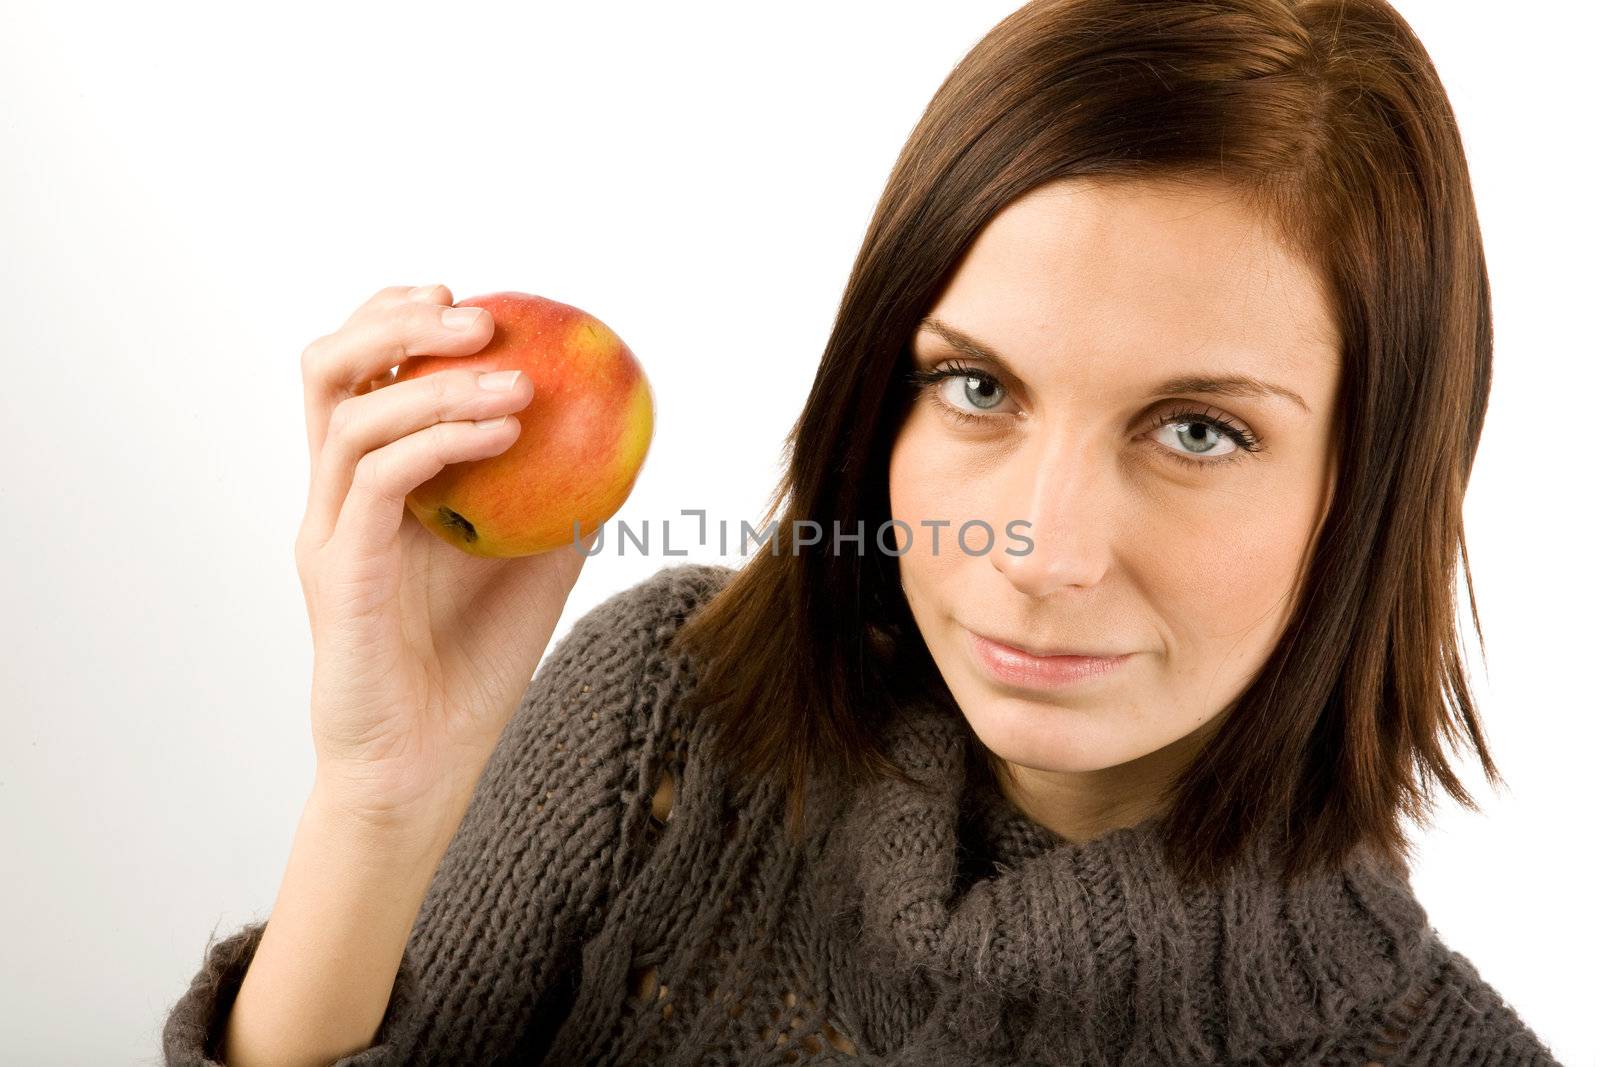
[(661, 802)]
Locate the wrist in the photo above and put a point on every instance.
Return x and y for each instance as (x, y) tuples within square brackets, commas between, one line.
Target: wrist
[(381, 825)]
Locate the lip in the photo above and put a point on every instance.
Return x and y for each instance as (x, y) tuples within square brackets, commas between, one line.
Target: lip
[(1014, 666)]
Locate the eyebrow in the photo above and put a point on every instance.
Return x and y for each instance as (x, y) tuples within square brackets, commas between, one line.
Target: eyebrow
[(1238, 385)]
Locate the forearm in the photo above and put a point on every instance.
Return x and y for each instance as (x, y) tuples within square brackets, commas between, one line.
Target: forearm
[(321, 978)]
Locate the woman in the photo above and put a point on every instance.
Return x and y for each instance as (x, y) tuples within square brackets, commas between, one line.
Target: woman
[(1174, 322)]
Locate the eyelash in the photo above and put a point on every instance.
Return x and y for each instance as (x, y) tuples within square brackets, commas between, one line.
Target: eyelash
[(1241, 436)]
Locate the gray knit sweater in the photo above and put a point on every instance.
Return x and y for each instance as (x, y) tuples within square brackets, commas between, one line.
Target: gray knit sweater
[(566, 925)]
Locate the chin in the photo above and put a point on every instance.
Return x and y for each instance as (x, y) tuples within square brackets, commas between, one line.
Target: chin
[(1048, 737)]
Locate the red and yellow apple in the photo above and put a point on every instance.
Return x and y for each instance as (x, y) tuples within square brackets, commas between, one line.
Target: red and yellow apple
[(583, 439)]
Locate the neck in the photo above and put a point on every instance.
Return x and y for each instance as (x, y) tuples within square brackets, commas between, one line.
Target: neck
[(1079, 806), (973, 908)]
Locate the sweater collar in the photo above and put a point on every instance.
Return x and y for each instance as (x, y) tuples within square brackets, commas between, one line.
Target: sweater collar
[(1096, 942)]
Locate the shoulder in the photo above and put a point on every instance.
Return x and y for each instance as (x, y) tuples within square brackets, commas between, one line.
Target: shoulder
[(1480, 1007), (590, 729), (612, 673), (1456, 1010), (644, 615)]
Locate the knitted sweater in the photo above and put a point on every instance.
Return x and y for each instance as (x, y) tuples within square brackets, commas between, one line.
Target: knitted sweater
[(567, 925)]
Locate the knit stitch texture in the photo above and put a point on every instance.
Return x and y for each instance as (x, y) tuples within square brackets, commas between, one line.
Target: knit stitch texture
[(914, 925)]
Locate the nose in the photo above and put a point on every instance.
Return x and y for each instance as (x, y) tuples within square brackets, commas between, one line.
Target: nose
[(1068, 500)]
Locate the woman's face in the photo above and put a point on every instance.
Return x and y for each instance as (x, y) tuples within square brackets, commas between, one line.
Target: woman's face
[(1168, 517)]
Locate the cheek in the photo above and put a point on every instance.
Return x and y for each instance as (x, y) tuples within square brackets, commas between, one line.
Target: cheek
[(909, 503), (1228, 572), (935, 474), (930, 481), (908, 490)]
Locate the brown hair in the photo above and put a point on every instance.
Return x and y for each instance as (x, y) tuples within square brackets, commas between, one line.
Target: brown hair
[(1329, 116)]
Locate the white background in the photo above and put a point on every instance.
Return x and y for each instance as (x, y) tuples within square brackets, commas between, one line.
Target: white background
[(189, 194)]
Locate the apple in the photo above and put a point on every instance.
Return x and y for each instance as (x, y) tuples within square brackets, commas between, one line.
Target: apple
[(583, 439)]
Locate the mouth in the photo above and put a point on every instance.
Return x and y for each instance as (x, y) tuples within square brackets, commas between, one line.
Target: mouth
[(1009, 665)]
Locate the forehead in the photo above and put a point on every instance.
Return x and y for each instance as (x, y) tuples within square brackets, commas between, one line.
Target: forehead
[(1161, 276)]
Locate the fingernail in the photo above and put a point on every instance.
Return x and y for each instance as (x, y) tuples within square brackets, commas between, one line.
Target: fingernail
[(421, 291), (500, 381), (460, 318), (489, 424)]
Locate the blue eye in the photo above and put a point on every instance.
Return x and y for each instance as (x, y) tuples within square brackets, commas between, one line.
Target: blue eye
[(979, 390), (972, 386), (1196, 434), (1193, 433)]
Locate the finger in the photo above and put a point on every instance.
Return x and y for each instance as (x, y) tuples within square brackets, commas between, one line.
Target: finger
[(363, 424), (390, 295), (370, 519), (346, 362)]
